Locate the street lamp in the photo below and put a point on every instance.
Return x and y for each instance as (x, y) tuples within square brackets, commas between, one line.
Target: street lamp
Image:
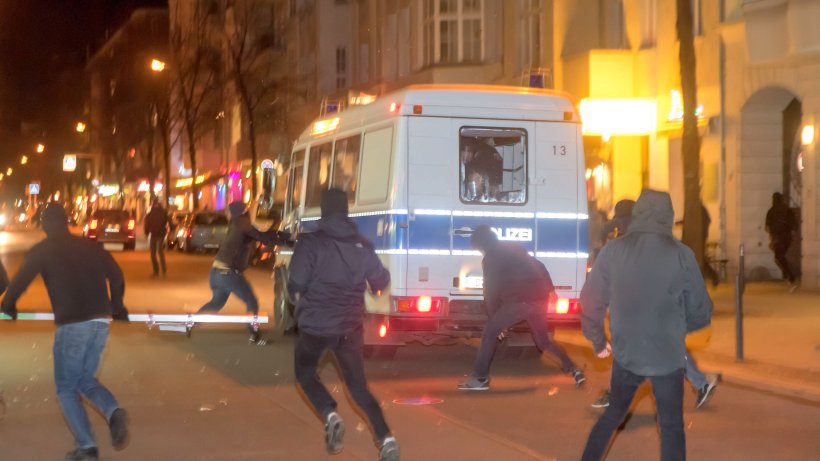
[(40, 148), (9, 171), (157, 65), (80, 128), (23, 160)]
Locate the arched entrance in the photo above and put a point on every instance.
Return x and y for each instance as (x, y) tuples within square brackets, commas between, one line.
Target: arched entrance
[(769, 147)]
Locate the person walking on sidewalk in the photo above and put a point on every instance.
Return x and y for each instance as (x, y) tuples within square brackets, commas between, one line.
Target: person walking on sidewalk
[(231, 260), (156, 226), (329, 272), (653, 288), (517, 287), (79, 275), (781, 225)]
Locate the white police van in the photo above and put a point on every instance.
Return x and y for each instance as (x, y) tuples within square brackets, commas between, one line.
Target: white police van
[(423, 167)]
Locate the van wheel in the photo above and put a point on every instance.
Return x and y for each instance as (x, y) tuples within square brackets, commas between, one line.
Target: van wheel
[(379, 352), (284, 323)]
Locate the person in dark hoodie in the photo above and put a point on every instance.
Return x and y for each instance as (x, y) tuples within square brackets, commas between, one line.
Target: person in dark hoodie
[(517, 287), (232, 259), (79, 275), (781, 225), (652, 286), (156, 225), (329, 272), (621, 217)]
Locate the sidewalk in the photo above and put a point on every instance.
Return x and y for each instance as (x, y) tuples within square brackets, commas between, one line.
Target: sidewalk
[(781, 340)]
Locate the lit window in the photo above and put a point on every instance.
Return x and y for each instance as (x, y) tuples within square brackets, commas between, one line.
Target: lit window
[(529, 30)]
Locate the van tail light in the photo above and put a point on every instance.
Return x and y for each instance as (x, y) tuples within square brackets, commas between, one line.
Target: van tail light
[(419, 304), (190, 232), (382, 330), (93, 225), (131, 224), (565, 306)]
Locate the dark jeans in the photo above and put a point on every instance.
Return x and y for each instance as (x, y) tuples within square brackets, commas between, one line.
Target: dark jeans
[(535, 314), (157, 246), (224, 282), (77, 350), (668, 390), (780, 247), (348, 352)]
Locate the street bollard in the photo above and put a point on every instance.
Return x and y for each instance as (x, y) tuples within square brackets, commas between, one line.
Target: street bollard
[(740, 286)]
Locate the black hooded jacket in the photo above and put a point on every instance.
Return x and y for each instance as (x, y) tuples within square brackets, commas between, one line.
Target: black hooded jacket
[(329, 271), (511, 275), (235, 251), (654, 290), (78, 274)]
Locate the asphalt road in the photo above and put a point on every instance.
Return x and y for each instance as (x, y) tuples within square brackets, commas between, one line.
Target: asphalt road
[(214, 396)]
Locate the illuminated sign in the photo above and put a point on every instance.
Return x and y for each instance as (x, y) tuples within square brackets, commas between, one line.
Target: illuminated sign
[(676, 108), (107, 190), (69, 162), (515, 234), (267, 164), (143, 187), (325, 126), (34, 188), (606, 117)]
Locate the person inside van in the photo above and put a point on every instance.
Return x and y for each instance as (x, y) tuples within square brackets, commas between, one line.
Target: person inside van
[(483, 168)]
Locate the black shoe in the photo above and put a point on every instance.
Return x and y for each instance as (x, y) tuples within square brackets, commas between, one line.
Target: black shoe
[(579, 377), (118, 424), (334, 433), (602, 401), (83, 454), (389, 451), (255, 334), (705, 393)]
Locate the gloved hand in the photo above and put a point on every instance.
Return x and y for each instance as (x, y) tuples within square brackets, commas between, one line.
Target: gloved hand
[(605, 352), (121, 315)]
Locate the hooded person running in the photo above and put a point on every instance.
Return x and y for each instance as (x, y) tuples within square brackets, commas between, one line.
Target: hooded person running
[(226, 275), (78, 274), (653, 288), (328, 274)]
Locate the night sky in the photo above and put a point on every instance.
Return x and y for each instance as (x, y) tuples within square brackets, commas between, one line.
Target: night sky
[(43, 50)]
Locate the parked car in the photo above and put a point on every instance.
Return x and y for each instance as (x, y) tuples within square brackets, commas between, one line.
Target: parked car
[(112, 226), (175, 221), (202, 230)]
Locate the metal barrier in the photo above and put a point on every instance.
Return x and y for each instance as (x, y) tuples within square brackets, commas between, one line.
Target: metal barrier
[(740, 287), (182, 323)]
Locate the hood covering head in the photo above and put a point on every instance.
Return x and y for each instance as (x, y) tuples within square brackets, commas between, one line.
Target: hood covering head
[(334, 203), (237, 208), (54, 220), (777, 199), (652, 213), (623, 209), (483, 238)]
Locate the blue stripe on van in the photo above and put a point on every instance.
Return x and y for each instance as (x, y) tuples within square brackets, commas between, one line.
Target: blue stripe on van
[(391, 231), (557, 235)]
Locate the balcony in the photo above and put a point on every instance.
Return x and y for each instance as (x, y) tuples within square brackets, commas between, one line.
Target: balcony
[(778, 31)]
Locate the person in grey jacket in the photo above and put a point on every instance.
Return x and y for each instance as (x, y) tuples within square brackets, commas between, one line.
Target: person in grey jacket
[(652, 286), (328, 274)]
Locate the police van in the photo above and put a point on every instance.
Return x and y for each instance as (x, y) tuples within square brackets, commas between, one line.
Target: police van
[(425, 166)]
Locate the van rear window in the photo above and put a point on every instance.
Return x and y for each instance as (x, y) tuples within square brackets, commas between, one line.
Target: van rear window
[(493, 165)]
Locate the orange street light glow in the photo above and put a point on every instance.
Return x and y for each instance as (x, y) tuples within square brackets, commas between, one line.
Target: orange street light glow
[(157, 65), (40, 148)]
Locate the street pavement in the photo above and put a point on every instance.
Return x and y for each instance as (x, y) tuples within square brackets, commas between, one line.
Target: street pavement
[(214, 396)]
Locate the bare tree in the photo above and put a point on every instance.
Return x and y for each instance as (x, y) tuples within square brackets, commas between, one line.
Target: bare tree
[(194, 68), (248, 39), (693, 217)]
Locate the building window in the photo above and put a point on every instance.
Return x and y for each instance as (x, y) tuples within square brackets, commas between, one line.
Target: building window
[(453, 31), (529, 27), (341, 67), (649, 23)]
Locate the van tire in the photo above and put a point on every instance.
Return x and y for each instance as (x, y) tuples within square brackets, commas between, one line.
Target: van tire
[(284, 323)]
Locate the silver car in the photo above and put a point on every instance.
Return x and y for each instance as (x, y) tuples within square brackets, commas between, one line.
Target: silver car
[(202, 230)]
